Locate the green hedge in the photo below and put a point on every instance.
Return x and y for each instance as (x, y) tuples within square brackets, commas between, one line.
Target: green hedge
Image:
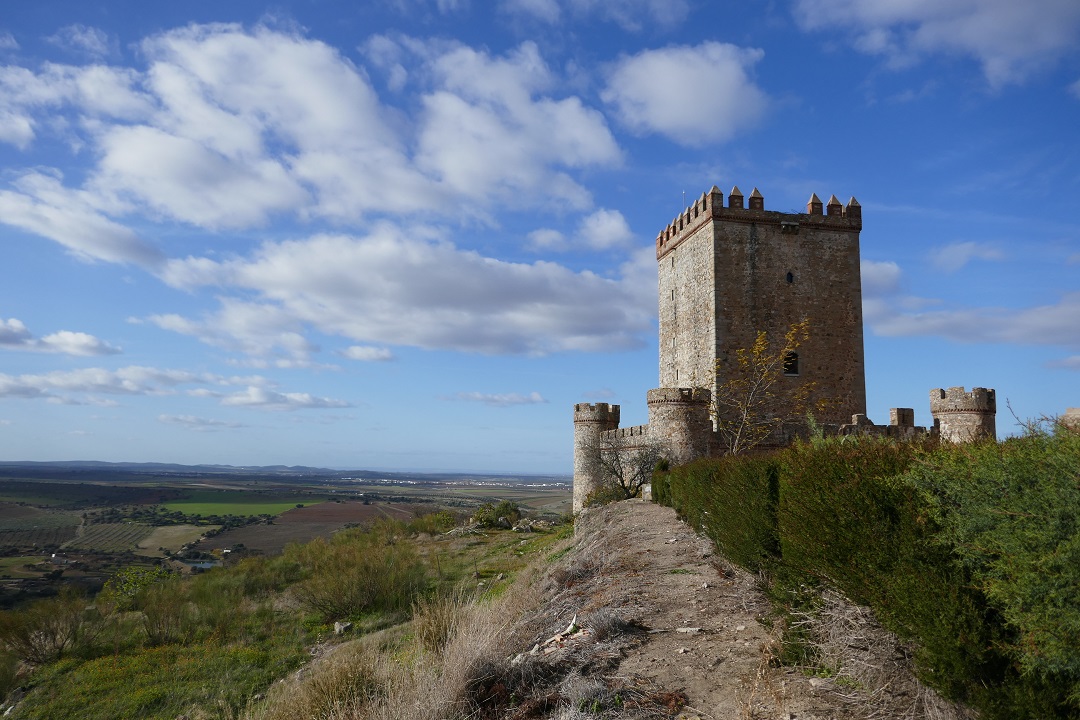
[(972, 552)]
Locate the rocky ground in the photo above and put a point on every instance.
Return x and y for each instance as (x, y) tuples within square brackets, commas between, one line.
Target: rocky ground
[(658, 626)]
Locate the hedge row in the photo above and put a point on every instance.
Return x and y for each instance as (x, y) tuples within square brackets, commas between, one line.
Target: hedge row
[(972, 552)]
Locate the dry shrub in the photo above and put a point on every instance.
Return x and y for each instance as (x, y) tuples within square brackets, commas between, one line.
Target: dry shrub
[(435, 619), (869, 666), (339, 685)]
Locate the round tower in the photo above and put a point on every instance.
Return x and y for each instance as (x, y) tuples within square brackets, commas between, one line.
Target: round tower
[(964, 416), (589, 421), (679, 422)]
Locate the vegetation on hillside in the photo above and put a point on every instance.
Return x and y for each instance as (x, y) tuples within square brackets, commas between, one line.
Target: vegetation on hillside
[(156, 645), (971, 552)]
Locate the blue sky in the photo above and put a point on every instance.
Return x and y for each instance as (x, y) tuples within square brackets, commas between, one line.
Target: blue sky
[(411, 234)]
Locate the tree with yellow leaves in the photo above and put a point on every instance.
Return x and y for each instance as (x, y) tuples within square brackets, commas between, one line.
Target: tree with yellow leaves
[(760, 395)]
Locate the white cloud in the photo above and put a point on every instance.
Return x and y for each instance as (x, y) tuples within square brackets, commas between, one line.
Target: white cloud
[(880, 278), (402, 286), (131, 380), (82, 39), (888, 311), (1009, 39), (502, 399), (8, 42), (601, 230), (544, 10), (199, 424), (265, 399), (42, 205), (14, 335), (229, 128), (1075, 89), (1070, 363), (689, 94), (634, 15), (366, 353), (256, 329), (487, 131), (955, 256)]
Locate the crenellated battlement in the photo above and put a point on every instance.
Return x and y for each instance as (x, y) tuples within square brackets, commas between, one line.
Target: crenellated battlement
[(602, 413), (658, 396), (710, 206), (634, 432), (955, 400)]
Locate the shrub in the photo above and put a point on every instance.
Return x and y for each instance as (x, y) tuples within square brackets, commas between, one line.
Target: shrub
[(488, 514), (354, 574), (44, 631)]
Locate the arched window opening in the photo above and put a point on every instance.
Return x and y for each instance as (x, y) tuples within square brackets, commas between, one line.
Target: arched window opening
[(791, 363)]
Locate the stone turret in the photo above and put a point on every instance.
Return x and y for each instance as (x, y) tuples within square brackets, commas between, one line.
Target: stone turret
[(589, 421), (964, 416), (679, 422)]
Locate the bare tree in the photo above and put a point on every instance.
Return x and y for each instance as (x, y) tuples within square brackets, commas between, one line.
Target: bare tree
[(626, 468), (750, 404)]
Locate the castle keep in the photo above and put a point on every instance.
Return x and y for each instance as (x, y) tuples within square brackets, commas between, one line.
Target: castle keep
[(727, 272)]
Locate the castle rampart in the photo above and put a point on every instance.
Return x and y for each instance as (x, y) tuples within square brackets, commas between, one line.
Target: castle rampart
[(964, 416)]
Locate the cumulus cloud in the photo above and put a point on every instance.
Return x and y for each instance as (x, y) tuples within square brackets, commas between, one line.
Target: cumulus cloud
[(488, 130), (8, 42), (407, 287), (649, 92), (366, 353), (266, 399), (955, 256), (601, 230), (1009, 39), (259, 330), (198, 424), (501, 399), (41, 204), (14, 335), (230, 128)]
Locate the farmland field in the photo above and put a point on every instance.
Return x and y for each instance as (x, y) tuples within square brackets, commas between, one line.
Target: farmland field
[(110, 537), (170, 537), (239, 502), (23, 517), (300, 525)]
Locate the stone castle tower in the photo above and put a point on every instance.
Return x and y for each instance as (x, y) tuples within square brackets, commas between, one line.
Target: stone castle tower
[(728, 273), (964, 416)]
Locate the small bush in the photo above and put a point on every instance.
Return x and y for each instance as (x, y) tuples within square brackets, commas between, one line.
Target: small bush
[(488, 514), (44, 631)]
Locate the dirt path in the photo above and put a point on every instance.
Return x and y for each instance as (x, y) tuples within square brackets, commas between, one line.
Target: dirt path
[(697, 631)]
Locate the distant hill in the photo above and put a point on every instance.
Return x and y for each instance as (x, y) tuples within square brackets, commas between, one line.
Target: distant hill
[(93, 470)]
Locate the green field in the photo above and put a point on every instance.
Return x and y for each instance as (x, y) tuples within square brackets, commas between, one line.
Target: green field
[(15, 566), (238, 502)]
